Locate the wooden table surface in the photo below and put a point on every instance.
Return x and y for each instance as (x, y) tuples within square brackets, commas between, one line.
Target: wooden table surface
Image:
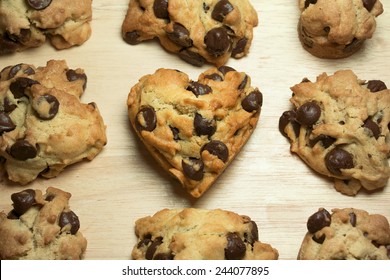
[(266, 182)]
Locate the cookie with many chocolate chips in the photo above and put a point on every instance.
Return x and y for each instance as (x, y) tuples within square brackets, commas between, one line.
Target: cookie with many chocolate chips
[(27, 23), (194, 129), (199, 234), (340, 127), (337, 29), (44, 127), (198, 31), (41, 227), (346, 234)]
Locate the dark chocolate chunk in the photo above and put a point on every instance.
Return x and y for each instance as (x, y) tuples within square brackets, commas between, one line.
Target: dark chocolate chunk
[(71, 218), (235, 249), (193, 168), (54, 104), (160, 8), (23, 150), (318, 221), (243, 83), (14, 70), (152, 248), (180, 35), (218, 149), (325, 140), (7, 45), (352, 219), (22, 201), (175, 132), (221, 9), (131, 37), (308, 113), (6, 123), (163, 256), (214, 77), (338, 159), (192, 57), (319, 240), (373, 127), (253, 101), (286, 118), (239, 47), (144, 241), (39, 4), (12, 215), (253, 236), (308, 2), (146, 119), (72, 76), (376, 85), (225, 69), (18, 86), (198, 88), (217, 41), (204, 126), (369, 4)]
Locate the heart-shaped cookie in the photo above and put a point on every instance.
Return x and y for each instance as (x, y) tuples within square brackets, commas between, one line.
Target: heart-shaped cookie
[(194, 129)]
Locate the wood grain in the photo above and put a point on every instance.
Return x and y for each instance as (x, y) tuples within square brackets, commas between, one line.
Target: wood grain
[(265, 182)]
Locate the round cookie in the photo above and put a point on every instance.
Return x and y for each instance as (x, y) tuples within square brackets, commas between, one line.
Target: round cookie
[(337, 28), (194, 129), (43, 125), (198, 31), (41, 227), (339, 126), (199, 234), (26, 24), (346, 234)]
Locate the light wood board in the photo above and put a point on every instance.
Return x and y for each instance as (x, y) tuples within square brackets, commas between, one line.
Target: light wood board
[(266, 182)]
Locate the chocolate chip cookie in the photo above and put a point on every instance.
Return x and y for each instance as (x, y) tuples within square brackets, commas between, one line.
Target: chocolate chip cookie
[(198, 31), (41, 227), (337, 29), (339, 126), (194, 129), (27, 23), (346, 234), (199, 234), (44, 127)]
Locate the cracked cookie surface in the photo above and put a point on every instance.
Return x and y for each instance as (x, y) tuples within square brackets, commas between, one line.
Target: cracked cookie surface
[(337, 28), (340, 127), (44, 127), (41, 227), (346, 234), (199, 234), (198, 31), (26, 24), (194, 129)]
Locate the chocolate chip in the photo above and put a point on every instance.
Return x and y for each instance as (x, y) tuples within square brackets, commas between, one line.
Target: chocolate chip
[(192, 57), (225, 69), (6, 123), (214, 77), (160, 8), (163, 256), (287, 118), (235, 248), (71, 218), (376, 85), (373, 127), (72, 76), (193, 168), (204, 126), (239, 47), (308, 113), (39, 4), (217, 41), (338, 159), (22, 201), (152, 248), (50, 197), (23, 150), (221, 9), (180, 35), (319, 240), (253, 236), (318, 221), (19, 86), (132, 37), (243, 83), (46, 106), (218, 149), (352, 219), (369, 4), (144, 241), (308, 2), (325, 140), (198, 88), (12, 215), (175, 132), (14, 70), (253, 101), (146, 119), (7, 45), (353, 45)]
